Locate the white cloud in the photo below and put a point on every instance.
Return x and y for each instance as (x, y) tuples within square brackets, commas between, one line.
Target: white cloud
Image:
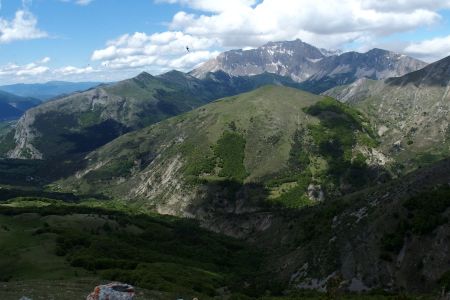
[(430, 50), (30, 69), (221, 25), (22, 27), (405, 5), (71, 70), (40, 71), (209, 26), (326, 23), (211, 5), (45, 60), (159, 51)]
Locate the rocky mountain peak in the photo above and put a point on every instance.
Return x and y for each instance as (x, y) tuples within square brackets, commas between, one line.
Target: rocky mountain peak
[(319, 69)]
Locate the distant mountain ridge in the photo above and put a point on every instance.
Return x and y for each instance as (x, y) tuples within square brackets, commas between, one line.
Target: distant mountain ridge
[(48, 90), (13, 106), (316, 69)]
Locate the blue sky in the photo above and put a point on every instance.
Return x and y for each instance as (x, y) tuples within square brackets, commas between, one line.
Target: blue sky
[(105, 40)]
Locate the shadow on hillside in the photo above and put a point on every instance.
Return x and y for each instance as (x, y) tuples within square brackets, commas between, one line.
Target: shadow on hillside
[(93, 137), (230, 196), (34, 173)]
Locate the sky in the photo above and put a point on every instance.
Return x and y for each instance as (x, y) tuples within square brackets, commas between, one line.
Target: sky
[(109, 40)]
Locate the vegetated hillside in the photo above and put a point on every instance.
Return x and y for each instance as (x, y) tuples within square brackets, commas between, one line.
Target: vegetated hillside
[(412, 112), (271, 146), (51, 241), (12, 107), (392, 237), (56, 245), (48, 90), (82, 122), (316, 69)]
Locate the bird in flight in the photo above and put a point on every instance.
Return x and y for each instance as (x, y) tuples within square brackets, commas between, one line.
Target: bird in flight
[(187, 49)]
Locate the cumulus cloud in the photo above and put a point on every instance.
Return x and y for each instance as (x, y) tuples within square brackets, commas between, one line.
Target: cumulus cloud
[(430, 50), (71, 70), (213, 6), (405, 5), (40, 71), (30, 69), (45, 60), (22, 27), (160, 51), (313, 21)]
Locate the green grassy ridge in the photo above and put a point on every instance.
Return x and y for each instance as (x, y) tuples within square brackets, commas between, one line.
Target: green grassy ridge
[(250, 138), (76, 123), (339, 131), (201, 129), (333, 139)]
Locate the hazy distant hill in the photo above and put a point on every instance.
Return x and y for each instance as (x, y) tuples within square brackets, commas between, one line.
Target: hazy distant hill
[(12, 106), (49, 90)]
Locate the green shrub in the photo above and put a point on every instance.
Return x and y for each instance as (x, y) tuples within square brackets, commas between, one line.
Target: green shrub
[(230, 150), (425, 209)]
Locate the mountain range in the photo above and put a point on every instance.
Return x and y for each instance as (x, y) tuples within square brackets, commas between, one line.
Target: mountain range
[(147, 99), (316, 69), (332, 170)]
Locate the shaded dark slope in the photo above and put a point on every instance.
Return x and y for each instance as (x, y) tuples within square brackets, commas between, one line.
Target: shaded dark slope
[(393, 237)]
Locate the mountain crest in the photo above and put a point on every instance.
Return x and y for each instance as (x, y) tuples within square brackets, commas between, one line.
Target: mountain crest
[(144, 76), (318, 69), (435, 74)]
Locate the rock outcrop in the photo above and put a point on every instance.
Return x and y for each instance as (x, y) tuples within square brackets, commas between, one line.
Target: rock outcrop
[(112, 291)]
